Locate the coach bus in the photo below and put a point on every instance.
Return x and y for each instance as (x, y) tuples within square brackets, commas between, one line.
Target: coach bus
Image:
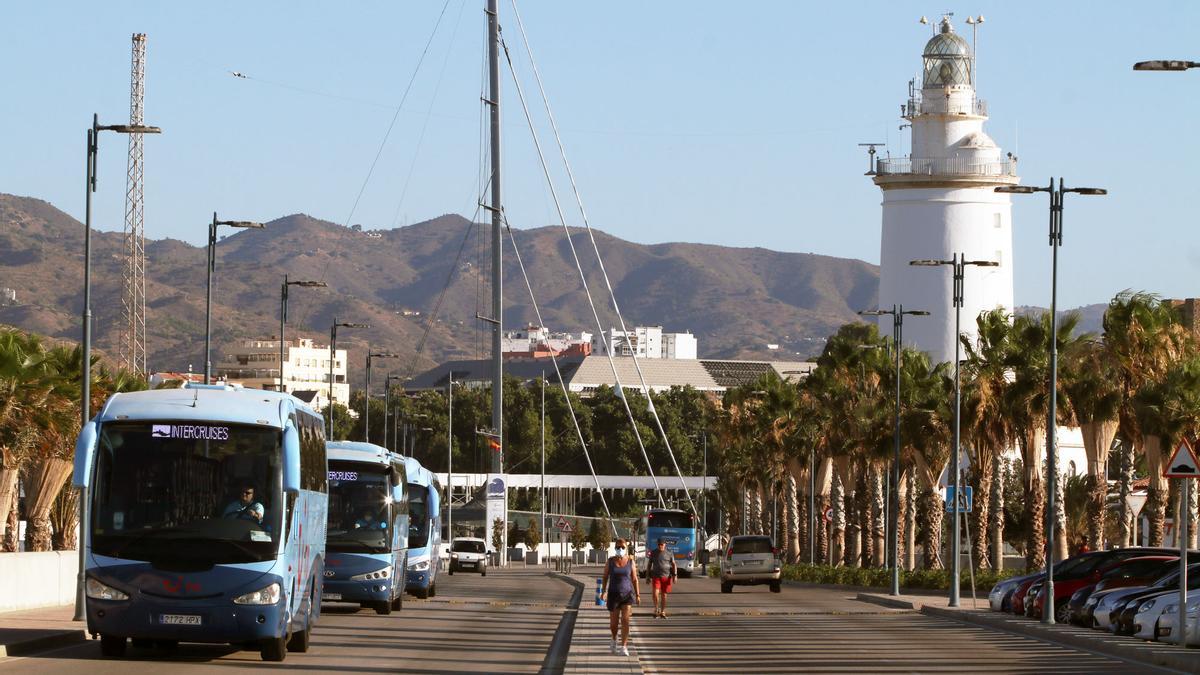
[(678, 529), (205, 520), (367, 541), (425, 530)]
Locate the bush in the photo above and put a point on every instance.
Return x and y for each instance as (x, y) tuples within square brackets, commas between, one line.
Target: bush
[(882, 578)]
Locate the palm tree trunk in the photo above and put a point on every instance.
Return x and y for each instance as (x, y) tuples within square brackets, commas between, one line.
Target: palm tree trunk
[(1097, 439), (929, 512), (12, 526), (46, 478), (1060, 519), (838, 545), (8, 493), (1032, 449), (996, 511), (862, 508), (981, 471), (878, 544), (853, 525), (64, 518), (1156, 495), (909, 509), (791, 510), (1125, 529)]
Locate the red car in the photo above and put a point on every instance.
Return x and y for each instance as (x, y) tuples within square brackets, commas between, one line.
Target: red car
[(1117, 573), (1076, 572)]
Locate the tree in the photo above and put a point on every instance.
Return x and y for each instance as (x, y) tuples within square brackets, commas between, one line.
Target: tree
[(533, 534), (599, 534), (578, 536), (498, 536), (1093, 390)]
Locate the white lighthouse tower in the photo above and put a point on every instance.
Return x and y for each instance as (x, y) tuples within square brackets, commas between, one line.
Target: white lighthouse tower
[(941, 201)]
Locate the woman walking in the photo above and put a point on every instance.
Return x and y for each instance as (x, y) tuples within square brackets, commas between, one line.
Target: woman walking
[(621, 583)]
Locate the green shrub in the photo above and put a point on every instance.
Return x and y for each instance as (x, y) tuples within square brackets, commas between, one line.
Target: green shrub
[(882, 578)]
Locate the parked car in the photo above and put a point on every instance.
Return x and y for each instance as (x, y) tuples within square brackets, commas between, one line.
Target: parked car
[(468, 554), (1167, 622), (1139, 614), (750, 560), (1086, 572)]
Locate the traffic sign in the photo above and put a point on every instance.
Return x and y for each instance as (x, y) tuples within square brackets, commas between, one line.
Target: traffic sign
[(964, 503), (829, 515), (1183, 463), (563, 525)]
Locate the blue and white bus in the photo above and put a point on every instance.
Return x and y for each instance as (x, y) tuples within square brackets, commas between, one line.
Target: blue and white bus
[(205, 518), (367, 542), (425, 530), (678, 529)]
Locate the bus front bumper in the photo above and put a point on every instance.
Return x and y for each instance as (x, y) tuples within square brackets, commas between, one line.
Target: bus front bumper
[(212, 621), (379, 590), (415, 579)]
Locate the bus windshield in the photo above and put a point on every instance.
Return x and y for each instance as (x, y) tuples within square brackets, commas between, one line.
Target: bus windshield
[(418, 516), (676, 519), (196, 493), (359, 500)]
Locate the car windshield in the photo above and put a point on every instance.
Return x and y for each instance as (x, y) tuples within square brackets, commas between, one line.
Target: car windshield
[(468, 546), (1137, 569), (677, 519), (359, 503), (418, 516), (751, 545), (194, 493)]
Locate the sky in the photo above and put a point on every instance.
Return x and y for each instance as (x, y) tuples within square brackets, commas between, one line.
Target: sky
[(724, 123)]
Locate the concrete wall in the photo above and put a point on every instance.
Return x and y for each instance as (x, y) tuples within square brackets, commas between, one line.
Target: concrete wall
[(30, 580)]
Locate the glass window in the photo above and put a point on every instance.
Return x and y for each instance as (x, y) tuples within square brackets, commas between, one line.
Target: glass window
[(418, 516), (359, 508), (461, 546), (751, 545), (677, 519)]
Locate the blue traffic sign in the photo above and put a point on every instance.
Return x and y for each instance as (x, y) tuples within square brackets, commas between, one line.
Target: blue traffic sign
[(965, 503)]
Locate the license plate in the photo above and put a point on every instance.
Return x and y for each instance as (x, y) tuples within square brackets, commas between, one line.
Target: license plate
[(1163, 632), (331, 596), (180, 619)]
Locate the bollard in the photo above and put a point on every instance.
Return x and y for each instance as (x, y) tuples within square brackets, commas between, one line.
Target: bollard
[(599, 584)]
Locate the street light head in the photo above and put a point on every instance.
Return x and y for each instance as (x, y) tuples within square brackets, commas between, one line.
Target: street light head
[(384, 355), (352, 325), (308, 284), (1088, 191), (982, 263), (240, 223), (1018, 189), (131, 129), (927, 263), (874, 312), (916, 312), (1164, 65)]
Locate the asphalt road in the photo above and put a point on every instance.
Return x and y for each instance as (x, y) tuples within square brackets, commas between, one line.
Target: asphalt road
[(814, 630), (501, 623)]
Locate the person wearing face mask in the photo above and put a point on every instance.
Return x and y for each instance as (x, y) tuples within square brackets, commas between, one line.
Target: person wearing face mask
[(621, 583)]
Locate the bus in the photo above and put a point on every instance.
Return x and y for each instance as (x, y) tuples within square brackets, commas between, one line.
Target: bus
[(424, 531), (367, 541), (204, 519), (678, 529)]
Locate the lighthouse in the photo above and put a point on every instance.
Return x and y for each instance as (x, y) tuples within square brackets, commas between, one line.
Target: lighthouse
[(941, 201)]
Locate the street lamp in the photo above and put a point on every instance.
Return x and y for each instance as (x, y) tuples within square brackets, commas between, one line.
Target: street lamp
[(333, 330), (897, 312), (1056, 210), (1166, 65), (283, 307), (387, 406), (93, 135), (959, 265), (212, 263), (367, 398)]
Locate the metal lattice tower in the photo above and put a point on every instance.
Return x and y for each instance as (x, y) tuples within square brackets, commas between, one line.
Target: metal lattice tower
[(132, 347)]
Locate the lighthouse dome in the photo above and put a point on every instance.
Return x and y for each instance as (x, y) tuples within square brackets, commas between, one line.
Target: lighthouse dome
[(948, 59)]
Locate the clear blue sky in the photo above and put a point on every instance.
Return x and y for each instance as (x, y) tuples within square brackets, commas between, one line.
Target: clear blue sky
[(715, 122)]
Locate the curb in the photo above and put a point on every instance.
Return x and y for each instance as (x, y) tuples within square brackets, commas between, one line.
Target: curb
[(62, 638), (888, 601), (560, 645)]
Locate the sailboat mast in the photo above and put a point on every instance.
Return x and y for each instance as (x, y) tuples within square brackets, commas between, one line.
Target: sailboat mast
[(497, 223)]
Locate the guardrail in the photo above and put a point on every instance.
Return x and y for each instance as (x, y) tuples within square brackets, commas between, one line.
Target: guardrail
[(943, 166)]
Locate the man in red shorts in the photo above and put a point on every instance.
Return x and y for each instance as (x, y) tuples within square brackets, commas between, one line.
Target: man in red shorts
[(662, 572)]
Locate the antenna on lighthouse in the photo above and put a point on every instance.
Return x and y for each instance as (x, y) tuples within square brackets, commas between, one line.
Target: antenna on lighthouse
[(973, 22), (871, 156)]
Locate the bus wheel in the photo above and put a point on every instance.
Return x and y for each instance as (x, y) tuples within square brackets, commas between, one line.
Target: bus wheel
[(775, 587), (141, 643), (112, 645), (273, 649), (726, 587), (383, 607), (398, 602), (432, 590), (449, 571), (300, 641), (422, 593)]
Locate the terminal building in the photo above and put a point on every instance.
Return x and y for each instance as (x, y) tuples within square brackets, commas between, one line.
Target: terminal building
[(255, 364)]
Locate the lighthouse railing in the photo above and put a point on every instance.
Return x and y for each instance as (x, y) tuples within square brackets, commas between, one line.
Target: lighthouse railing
[(943, 166)]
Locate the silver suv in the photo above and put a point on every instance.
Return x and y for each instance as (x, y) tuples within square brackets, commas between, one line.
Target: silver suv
[(750, 560), (468, 554)]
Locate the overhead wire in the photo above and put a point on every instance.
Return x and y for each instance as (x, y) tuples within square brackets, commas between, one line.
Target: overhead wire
[(620, 390)]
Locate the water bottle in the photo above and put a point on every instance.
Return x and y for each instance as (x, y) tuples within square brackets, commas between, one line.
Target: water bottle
[(599, 584)]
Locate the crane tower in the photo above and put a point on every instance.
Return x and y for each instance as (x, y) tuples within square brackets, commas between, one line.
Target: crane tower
[(132, 348)]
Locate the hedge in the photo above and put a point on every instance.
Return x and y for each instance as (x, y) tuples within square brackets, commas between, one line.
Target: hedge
[(882, 578)]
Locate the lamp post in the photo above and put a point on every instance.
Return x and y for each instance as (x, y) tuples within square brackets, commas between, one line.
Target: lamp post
[(93, 135), (283, 308), (367, 392), (959, 265), (333, 331), (387, 408), (1056, 210), (897, 312), (212, 264), (450, 457), (1166, 65)]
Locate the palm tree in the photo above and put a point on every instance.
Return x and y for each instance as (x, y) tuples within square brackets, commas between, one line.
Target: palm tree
[(1143, 337), (1092, 390), (925, 422)]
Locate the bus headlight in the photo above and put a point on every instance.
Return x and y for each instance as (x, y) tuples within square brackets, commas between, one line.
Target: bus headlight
[(263, 596), (419, 566), (372, 576), (99, 591)]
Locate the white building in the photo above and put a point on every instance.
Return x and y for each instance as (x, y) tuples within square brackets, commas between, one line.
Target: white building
[(255, 364), (941, 202), (647, 342)]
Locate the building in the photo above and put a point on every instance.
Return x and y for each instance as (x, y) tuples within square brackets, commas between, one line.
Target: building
[(647, 342), (255, 364), (537, 342), (941, 202)]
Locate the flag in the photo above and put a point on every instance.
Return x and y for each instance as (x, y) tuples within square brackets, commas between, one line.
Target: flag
[(494, 444)]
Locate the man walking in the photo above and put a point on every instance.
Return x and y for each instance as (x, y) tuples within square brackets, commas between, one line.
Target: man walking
[(662, 570)]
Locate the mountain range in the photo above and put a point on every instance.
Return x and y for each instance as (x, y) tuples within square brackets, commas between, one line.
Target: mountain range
[(737, 301)]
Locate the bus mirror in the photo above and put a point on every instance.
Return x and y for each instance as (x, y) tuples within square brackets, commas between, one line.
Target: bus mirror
[(398, 493), (85, 447), (291, 460)]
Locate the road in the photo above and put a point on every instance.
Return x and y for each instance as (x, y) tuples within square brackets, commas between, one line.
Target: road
[(818, 630), (501, 623)]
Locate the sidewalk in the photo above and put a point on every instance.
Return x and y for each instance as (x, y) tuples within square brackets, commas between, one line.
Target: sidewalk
[(31, 630), (1101, 642), (589, 644)]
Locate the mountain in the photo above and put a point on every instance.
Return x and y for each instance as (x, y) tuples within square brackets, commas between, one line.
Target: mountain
[(735, 300)]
